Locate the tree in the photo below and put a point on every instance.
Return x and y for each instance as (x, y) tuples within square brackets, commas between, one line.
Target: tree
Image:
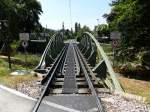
[(77, 28), (31, 12), (131, 18), (102, 30), (22, 15), (81, 31)]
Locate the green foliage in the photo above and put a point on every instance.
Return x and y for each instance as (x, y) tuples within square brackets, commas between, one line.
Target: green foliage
[(51, 32), (102, 30), (15, 45), (31, 58), (3, 68), (3, 63), (68, 34), (22, 15), (146, 59), (107, 47), (128, 17), (81, 31), (131, 18), (3, 71), (77, 28)]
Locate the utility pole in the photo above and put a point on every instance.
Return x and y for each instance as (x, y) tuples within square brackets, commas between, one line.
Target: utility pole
[(63, 28), (97, 26), (70, 11), (97, 21), (45, 36)]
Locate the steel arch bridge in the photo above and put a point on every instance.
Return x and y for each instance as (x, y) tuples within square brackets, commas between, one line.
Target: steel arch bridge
[(93, 53)]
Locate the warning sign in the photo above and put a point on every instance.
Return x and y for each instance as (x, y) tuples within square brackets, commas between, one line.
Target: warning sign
[(24, 44), (115, 43)]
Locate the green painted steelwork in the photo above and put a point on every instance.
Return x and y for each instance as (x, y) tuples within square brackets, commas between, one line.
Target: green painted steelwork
[(54, 46), (103, 68)]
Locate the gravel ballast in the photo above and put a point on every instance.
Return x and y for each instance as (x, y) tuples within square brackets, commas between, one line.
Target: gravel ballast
[(111, 102), (117, 103)]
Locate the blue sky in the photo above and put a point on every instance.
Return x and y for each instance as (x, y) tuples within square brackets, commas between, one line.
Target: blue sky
[(86, 12)]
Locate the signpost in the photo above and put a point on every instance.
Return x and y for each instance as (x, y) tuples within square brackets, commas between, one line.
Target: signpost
[(115, 37), (24, 37)]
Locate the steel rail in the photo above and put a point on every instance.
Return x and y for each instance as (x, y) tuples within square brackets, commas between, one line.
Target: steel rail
[(61, 67), (36, 107), (52, 68), (90, 84), (76, 61)]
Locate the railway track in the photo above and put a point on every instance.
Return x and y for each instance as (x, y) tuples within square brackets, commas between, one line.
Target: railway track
[(69, 85)]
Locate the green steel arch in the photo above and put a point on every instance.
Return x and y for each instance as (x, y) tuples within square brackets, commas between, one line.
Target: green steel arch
[(98, 59), (53, 48)]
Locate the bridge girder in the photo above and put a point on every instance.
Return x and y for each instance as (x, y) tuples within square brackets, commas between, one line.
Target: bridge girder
[(54, 46), (98, 59)]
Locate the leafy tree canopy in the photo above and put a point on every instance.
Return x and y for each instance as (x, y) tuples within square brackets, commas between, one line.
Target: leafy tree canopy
[(22, 15), (131, 18), (102, 30)]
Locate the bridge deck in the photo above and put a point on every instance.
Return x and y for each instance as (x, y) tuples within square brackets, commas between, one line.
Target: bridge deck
[(69, 103), (70, 85)]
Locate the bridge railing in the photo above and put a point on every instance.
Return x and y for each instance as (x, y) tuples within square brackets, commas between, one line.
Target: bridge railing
[(98, 59), (54, 46)]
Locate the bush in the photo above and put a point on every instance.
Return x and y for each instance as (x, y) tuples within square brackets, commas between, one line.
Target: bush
[(146, 59), (14, 45)]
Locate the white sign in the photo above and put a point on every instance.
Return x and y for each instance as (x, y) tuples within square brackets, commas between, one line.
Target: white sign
[(24, 44), (24, 36), (115, 35)]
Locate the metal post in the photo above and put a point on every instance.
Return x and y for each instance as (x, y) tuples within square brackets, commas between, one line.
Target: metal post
[(9, 58), (113, 56), (8, 52), (25, 51)]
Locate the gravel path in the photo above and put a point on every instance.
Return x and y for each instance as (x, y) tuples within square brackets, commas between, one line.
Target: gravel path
[(30, 88), (112, 103), (116, 103)]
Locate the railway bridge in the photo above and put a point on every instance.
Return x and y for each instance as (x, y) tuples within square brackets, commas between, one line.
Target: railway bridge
[(74, 73)]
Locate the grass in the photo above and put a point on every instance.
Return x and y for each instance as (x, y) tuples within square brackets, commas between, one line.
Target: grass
[(12, 81), (107, 47), (31, 58), (133, 86), (3, 68), (136, 87), (108, 50), (3, 71)]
